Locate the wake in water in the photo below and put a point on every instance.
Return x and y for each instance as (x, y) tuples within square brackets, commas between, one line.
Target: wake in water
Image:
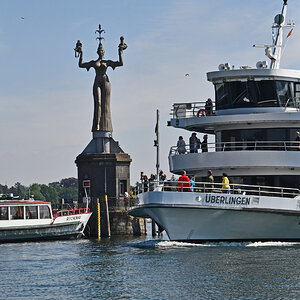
[(166, 244)]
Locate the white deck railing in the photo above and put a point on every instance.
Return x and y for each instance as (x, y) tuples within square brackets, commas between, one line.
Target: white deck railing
[(207, 187), (243, 146), (197, 109)]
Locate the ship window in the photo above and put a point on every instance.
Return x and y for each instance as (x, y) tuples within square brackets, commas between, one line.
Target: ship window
[(284, 93), (248, 139), (264, 93), (297, 93), (31, 212), (3, 213), (45, 212), (16, 212)]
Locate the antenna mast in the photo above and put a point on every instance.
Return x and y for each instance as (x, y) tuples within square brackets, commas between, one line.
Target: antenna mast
[(274, 51), (279, 24)]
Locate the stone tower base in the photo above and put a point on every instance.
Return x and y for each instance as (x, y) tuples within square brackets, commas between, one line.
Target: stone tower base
[(108, 174)]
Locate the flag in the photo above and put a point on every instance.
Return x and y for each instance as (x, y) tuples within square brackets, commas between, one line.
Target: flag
[(290, 33), (157, 123), (156, 128)]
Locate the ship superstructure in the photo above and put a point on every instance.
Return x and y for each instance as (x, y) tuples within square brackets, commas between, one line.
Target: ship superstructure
[(255, 121)]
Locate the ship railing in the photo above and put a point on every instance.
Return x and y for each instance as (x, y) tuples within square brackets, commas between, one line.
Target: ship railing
[(191, 109), (208, 187), (70, 212), (238, 146)]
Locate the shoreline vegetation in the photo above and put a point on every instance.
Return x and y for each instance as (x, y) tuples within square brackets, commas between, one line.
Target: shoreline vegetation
[(53, 192)]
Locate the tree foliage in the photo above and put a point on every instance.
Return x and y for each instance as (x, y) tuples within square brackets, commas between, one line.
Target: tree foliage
[(53, 192)]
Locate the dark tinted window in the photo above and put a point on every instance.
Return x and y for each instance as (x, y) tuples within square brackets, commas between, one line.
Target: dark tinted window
[(265, 93)]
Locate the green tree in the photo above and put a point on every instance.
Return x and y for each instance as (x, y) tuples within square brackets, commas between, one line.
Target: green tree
[(69, 194), (35, 190), (19, 190), (69, 182), (49, 193)]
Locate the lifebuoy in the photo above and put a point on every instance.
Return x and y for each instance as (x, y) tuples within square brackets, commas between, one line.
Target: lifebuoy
[(201, 112)]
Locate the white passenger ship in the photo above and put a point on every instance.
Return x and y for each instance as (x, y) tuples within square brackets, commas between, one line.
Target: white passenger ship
[(27, 220), (255, 118)]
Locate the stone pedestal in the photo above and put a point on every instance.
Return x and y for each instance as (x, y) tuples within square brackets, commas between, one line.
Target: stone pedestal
[(109, 174)]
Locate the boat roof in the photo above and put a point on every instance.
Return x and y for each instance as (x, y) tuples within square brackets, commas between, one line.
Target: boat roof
[(22, 201), (254, 74)]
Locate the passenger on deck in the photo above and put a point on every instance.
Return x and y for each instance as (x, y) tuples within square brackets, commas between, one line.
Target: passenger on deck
[(183, 184), (181, 145), (204, 143), (209, 107), (194, 143), (192, 182), (145, 183), (225, 186), (152, 182), (210, 180)]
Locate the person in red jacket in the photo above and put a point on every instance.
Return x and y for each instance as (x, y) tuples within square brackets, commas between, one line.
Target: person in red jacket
[(183, 184)]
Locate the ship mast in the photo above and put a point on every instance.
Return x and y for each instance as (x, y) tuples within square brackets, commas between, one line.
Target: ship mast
[(274, 51), (279, 24)]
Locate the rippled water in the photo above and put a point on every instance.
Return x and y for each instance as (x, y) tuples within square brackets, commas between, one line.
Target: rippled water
[(121, 268)]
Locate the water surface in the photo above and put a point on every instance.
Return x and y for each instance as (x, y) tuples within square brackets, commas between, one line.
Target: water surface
[(127, 268)]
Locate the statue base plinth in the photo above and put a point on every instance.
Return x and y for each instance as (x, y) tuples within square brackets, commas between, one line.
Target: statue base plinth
[(107, 168)]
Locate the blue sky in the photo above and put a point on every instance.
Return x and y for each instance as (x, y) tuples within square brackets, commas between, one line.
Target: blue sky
[(46, 100)]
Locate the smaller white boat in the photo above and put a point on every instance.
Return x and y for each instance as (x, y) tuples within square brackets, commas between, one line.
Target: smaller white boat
[(28, 220)]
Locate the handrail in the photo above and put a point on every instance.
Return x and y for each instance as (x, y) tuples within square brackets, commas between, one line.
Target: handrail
[(243, 146), (70, 212), (197, 109), (188, 110), (208, 187)]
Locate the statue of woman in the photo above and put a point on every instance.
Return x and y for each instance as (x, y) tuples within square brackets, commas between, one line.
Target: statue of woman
[(101, 87)]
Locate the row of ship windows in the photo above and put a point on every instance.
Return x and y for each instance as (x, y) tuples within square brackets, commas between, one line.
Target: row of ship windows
[(264, 93), (24, 212)]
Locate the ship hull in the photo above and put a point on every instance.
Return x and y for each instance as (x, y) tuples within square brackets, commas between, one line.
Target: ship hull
[(60, 229), (202, 217), (213, 224)]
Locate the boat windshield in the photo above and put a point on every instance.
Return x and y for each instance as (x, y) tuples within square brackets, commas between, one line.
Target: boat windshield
[(264, 93)]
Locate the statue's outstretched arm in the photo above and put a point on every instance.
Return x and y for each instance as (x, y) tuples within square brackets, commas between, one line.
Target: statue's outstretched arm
[(118, 63), (86, 65)]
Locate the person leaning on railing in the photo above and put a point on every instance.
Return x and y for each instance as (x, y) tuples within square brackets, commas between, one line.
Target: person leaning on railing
[(225, 186), (183, 184), (209, 107)]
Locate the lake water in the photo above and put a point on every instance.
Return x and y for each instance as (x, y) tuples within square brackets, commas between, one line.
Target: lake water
[(142, 268)]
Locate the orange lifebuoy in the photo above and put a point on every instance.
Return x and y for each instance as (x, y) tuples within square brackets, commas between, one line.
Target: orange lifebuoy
[(201, 112)]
